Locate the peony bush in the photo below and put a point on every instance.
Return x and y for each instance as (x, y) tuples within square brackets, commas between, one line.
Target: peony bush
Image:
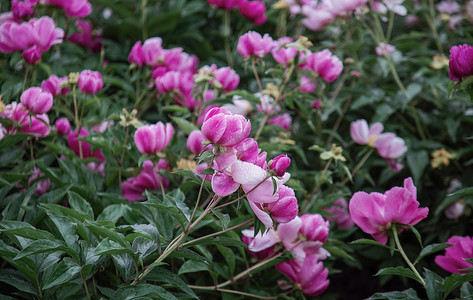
[(225, 149)]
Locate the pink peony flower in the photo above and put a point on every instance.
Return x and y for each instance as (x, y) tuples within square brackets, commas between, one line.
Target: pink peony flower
[(152, 50), (448, 7), (195, 142), (136, 55), (325, 64), (224, 129), (281, 53), (36, 100), (266, 104), (63, 126), (390, 146), (316, 104), (43, 185), (54, 85), (73, 142), (255, 11), (149, 179), (153, 138), (36, 125), (262, 245), (279, 164), (226, 79), (32, 55), (460, 62), (90, 82), (285, 209), (23, 9), (310, 275), (384, 49), (314, 227), (73, 8), (247, 150), (375, 213), (86, 37), (453, 260), (340, 213), (284, 121), (224, 4), (307, 86), (316, 17), (253, 44)]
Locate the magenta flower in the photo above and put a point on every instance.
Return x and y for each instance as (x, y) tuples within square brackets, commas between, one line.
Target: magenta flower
[(310, 275), (151, 139), (314, 227), (247, 150), (255, 11), (279, 164), (453, 260), (86, 37), (460, 62), (23, 9), (195, 142), (253, 44), (136, 55), (281, 53), (284, 121), (90, 82), (285, 208), (224, 4), (36, 100), (73, 142), (55, 85), (149, 179), (307, 85), (224, 129), (36, 125), (340, 213), (32, 55), (364, 135), (63, 126), (390, 146), (375, 213), (226, 79), (43, 185), (152, 50), (73, 8), (316, 104), (325, 64)]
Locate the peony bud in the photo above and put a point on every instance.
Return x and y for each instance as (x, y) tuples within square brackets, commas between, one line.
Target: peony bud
[(279, 164), (153, 138), (63, 126), (90, 82), (37, 101)]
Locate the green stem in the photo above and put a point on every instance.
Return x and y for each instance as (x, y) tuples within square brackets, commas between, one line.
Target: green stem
[(390, 26), (359, 165), (213, 288), (255, 72), (226, 37), (76, 119), (399, 247), (417, 121), (85, 285), (217, 233), (316, 186)]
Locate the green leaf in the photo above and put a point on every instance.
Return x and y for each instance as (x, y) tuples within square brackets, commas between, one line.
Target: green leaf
[(178, 197), (417, 162), (18, 280), (144, 247), (108, 246), (224, 218), (163, 275), (229, 256), (462, 192), (142, 291), (105, 232), (112, 213), (429, 249), (433, 285), (24, 230), (409, 294), (466, 291), (65, 271), (80, 204), (191, 266), (185, 125), (12, 139), (337, 251), (66, 228), (371, 242), (45, 246), (416, 233), (400, 271), (454, 281)]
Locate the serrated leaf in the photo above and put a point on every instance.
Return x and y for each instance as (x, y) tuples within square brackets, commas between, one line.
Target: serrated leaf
[(429, 249), (163, 275)]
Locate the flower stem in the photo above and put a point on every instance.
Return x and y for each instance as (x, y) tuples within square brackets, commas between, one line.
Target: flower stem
[(85, 285), (213, 288), (399, 247), (359, 165), (76, 119), (255, 72), (217, 233)]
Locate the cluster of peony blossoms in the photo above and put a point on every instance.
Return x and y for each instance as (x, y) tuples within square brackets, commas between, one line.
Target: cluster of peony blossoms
[(304, 236), (317, 14), (388, 145), (453, 260), (37, 36), (376, 213), (253, 10), (318, 64)]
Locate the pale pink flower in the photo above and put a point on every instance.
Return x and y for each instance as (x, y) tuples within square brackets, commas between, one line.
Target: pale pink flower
[(42, 185), (340, 213), (226, 79), (384, 49), (448, 7), (152, 50), (375, 213), (316, 17), (239, 106), (266, 104), (390, 146), (455, 210), (284, 121), (281, 53), (222, 128), (260, 245), (325, 64), (307, 85), (364, 135), (73, 8), (195, 142)]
